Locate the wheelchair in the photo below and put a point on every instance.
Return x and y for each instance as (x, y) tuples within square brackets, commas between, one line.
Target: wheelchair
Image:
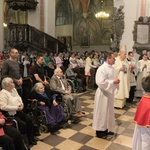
[(75, 86), (63, 105), (38, 116)]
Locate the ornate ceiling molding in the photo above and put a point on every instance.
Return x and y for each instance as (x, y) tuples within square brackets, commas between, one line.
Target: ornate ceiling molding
[(22, 4)]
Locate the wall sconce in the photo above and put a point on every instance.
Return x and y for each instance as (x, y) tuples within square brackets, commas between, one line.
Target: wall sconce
[(4, 25)]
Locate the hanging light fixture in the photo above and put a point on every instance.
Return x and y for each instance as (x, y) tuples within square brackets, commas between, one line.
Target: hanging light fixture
[(102, 14)]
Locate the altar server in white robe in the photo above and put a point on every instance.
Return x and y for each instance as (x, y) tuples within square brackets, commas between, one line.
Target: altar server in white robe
[(103, 118), (141, 136), (121, 67), (143, 67), (133, 73)]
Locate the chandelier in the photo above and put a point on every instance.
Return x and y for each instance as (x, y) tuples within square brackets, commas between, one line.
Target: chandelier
[(102, 14)]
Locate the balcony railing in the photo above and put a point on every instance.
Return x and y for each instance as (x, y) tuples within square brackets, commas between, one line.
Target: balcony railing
[(24, 36)]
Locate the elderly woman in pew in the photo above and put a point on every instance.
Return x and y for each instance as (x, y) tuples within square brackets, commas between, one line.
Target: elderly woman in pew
[(11, 104), (46, 101)]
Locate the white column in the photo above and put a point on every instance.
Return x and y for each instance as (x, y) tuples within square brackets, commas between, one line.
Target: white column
[(147, 10), (49, 17), (1, 26), (138, 9), (34, 16), (143, 8)]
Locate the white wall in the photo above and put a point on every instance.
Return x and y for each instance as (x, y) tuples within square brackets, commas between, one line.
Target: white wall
[(34, 16), (130, 10), (147, 11), (49, 17)]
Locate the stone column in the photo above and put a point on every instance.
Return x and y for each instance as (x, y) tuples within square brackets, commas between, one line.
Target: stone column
[(49, 17), (147, 10), (34, 17), (42, 15), (143, 7)]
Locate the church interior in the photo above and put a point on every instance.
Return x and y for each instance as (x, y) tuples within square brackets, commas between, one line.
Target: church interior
[(79, 26), (81, 136)]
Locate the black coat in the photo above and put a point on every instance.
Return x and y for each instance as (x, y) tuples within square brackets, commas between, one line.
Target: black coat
[(48, 101)]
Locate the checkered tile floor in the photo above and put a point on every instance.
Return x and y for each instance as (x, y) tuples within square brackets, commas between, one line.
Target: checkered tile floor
[(82, 137)]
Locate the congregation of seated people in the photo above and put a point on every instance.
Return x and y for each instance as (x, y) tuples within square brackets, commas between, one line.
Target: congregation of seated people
[(44, 82), (13, 104), (80, 64)]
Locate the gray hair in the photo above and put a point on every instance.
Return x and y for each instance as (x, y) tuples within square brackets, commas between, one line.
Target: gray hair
[(57, 70), (36, 86), (6, 82)]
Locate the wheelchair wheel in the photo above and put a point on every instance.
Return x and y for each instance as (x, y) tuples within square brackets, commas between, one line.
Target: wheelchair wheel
[(43, 129), (71, 83)]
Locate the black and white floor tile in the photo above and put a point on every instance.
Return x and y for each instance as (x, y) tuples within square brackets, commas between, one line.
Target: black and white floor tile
[(82, 137)]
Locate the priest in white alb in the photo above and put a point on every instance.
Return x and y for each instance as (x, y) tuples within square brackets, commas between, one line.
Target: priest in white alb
[(143, 67), (103, 118), (121, 67)]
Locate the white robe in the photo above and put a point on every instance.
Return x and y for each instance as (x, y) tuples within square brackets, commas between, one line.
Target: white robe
[(133, 72), (88, 64), (25, 71), (141, 73), (141, 138), (124, 86), (103, 117), (9, 101)]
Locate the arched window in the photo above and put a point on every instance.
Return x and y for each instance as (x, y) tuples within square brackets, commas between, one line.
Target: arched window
[(63, 13)]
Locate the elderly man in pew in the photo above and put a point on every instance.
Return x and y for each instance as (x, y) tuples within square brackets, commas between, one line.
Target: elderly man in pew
[(60, 85)]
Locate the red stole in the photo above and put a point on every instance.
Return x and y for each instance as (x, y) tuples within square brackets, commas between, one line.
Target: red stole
[(142, 115)]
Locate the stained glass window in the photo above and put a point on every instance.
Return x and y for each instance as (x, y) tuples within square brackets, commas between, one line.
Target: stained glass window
[(63, 13)]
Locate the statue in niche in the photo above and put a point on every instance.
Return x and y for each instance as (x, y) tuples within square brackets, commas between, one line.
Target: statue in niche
[(12, 35), (119, 21), (118, 28), (20, 36)]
